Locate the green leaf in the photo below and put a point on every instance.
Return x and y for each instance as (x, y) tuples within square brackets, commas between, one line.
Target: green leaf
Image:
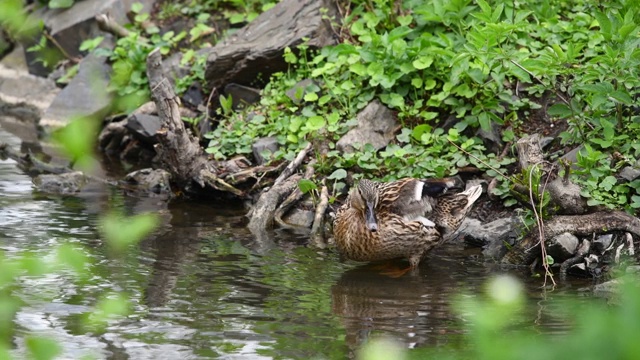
[(306, 185), (605, 24), (485, 122), (338, 174), (608, 182), (560, 110), (136, 7), (419, 130), (60, 4), (405, 20), (42, 348), (550, 260), (622, 96), (310, 96), (315, 123), (77, 141), (422, 62), (120, 232)]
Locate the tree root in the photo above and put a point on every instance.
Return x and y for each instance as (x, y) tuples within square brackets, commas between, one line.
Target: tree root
[(524, 252), (178, 150), (264, 210), (293, 198), (317, 230)]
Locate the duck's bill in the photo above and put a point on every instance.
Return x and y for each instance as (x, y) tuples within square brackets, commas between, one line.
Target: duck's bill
[(370, 217)]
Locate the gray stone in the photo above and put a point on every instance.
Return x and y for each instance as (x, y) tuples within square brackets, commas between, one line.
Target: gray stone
[(491, 138), (70, 27), (18, 86), (630, 173), (299, 90), (151, 182), (144, 127), (572, 157), (563, 246), (267, 143), (494, 237), (376, 126), (241, 96), (84, 96), (602, 243), (566, 197), (257, 48), (299, 218), (607, 289), (68, 183), (545, 141)]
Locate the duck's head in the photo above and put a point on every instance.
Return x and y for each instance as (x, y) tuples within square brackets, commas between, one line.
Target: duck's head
[(364, 198)]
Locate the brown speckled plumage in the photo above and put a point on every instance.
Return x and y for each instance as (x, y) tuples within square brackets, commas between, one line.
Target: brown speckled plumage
[(401, 229)]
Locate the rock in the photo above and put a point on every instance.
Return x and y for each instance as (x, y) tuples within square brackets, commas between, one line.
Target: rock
[(545, 141), (67, 183), (144, 127), (84, 96), (566, 197), (241, 96), (18, 86), (607, 289), (299, 218), (151, 182), (572, 157), (6, 44), (563, 246), (70, 27), (299, 90), (23, 97), (473, 182), (257, 48), (492, 139), (602, 243), (630, 173), (267, 143), (376, 126), (492, 236)]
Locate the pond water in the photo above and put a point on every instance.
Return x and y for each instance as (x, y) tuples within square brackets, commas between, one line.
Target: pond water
[(203, 287)]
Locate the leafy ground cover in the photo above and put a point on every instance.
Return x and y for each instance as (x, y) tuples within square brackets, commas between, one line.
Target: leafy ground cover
[(451, 68)]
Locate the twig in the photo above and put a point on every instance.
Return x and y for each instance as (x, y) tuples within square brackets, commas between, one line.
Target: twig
[(479, 160), (540, 81), (106, 24), (540, 223), (55, 42), (317, 230), (293, 165)]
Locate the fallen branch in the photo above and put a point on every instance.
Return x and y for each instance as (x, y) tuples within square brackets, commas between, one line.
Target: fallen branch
[(293, 198), (263, 212), (317, 230), (107, 24), (293, 165), (524, 252)]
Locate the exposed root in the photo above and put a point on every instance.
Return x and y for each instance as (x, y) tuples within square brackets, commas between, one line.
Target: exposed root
[(293, 198), (524, 252), (317, 230)]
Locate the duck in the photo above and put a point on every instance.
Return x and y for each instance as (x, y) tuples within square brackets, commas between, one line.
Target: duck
[(406, 218)]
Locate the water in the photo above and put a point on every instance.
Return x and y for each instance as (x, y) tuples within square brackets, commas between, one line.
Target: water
[(202, 287)]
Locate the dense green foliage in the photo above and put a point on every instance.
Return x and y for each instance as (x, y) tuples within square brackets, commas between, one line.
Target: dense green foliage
[(485, 65)]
